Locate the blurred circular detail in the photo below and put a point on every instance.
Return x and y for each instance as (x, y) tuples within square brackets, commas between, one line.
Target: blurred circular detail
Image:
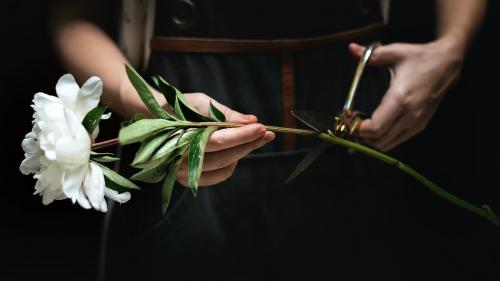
[(183, 14)]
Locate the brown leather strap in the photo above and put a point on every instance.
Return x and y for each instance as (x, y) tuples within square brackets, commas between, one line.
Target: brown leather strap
[(288, 98), (223, 45)]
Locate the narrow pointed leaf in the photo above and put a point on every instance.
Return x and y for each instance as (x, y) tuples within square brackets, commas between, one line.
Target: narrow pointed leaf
[(178, 109), (168, 184), (187, 137), (115, 181), (105, 159), (191, 114), (166, 89), (181, 135), (216, 114), (165, 149), (171, 93), (93, 117), (100, 154), (153, 162), (310, 157), (143, 129), (169, 149), (196, 155), (150, 145), (146, 95), (152, 174)]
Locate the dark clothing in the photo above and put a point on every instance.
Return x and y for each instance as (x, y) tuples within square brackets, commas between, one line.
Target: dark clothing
[(341, 219), (253, 224), (262, 19)]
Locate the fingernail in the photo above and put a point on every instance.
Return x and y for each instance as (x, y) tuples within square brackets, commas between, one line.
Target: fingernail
[(261, 130), (250, 118), (269, 136)]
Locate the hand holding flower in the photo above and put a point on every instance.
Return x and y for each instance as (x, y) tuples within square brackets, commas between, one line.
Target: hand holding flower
[(58, 150), (225, 146)]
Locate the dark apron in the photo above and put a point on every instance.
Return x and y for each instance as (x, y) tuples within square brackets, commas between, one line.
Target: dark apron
[(335, 220)]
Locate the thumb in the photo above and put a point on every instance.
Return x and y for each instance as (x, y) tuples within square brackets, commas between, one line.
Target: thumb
[(233, 115), (384, 55)]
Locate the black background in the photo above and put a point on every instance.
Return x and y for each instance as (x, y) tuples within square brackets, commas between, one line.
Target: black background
[(459, 149)]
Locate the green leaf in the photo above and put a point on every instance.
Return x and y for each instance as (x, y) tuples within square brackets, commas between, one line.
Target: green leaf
[(190, 113), (196, 155), (310, 157), (146, 95), (150, 145), (166, 89), (181, 135), (172, 94), (161, 155), (105, 159), (216, 114), (115, 180), (93, 117), (100, 154), (169, 149), (178, 110), (137, 117), (143, 129), (153, 174), (187, 137), (168, 184)]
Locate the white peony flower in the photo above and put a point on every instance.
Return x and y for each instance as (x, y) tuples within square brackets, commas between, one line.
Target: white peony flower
[(57, 150)]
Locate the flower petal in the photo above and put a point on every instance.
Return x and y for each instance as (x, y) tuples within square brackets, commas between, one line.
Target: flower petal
[(93, 185), (38, 186), (67, 90), (73, 150), (41, 99), (82, 200), (72, 182), (49, 183), (77, 131), (30, 144), (88, 97), (104, 206), (48, 196), (118, 197), (32, 154), (30, 165)]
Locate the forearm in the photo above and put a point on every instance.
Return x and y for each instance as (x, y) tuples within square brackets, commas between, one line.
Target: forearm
[(458, 21), (86, 50)]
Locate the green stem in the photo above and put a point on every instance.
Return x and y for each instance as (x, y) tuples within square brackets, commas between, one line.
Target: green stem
[(276, 129), (484, 211)]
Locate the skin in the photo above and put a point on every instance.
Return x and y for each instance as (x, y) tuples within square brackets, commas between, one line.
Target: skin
[(421, 73)]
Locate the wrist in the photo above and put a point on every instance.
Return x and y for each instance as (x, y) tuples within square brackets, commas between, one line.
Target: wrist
[(454, 43)]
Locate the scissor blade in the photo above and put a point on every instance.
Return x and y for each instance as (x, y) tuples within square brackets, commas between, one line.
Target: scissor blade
[(317, 121), (310, 157)]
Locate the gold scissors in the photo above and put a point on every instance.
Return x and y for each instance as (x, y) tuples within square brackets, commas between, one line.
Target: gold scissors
[(348, 120)]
